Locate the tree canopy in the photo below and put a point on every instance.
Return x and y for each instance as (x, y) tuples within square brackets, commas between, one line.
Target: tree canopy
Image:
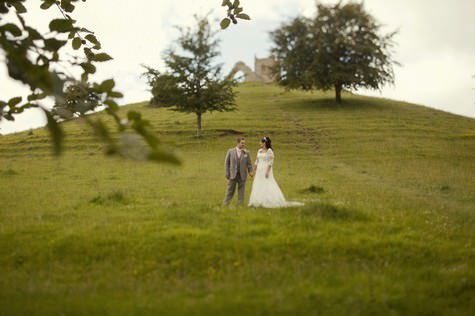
[(192, 82), (340, 48)]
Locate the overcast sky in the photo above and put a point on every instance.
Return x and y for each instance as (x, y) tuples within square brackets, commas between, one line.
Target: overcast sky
[(435, 44)]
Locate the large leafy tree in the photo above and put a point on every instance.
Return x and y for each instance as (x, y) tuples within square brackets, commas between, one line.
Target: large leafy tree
[(340, 48), (192, 82), (38, 61)]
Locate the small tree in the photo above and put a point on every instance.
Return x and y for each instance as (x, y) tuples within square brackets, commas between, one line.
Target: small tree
[(339, 48), (192, 83)]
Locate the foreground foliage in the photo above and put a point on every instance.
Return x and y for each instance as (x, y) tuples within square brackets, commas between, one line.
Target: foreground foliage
[(39, 62)]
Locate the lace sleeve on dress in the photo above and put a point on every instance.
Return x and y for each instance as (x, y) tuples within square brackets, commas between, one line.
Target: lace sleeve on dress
[(270, 156)]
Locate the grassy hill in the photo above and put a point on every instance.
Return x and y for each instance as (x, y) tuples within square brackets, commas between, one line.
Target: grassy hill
[(388, 227)]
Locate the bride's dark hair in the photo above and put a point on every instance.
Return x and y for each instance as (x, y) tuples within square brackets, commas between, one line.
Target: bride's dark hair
[(268, 142)]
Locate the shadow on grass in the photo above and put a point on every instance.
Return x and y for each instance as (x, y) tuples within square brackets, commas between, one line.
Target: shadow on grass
[(319, 210), (116, 197), (9, 172), (353, 103), (332, 212), (228, 132), (313, 189)]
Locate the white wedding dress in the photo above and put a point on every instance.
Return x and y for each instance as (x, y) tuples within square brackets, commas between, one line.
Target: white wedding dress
[(265, 192)]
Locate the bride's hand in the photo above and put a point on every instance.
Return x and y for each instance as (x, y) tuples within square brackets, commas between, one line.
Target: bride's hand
[(267, 175)]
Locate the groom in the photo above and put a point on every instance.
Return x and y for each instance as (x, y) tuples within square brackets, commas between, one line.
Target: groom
[(236, 166)]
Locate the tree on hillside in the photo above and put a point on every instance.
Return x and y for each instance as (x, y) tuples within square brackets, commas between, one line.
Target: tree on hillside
[(340, 48), (37, 61), (192, 83)]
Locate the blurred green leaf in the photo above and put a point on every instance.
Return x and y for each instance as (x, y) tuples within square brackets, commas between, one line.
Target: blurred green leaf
[(101, 57), (53, 44), (243, 16), (107, 85), (115, 94), (236, 4), (111, 104), (47, 4), (61, 25), (3, 7), (100, 129), (88, 68), (67, 5), (33, 34), (14, 101), (55, 131), (91, 38), (134, 116), (12, 29), (8, 117), (55, 57), (20, 8), (76, 43), (225, 23), (85, 30), (88, 52), (39, 96)]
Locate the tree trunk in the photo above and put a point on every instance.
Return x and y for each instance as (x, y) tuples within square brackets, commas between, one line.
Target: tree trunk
[(198, 125), (338, 93)]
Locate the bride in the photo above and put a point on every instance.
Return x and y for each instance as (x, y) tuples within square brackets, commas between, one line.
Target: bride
[(265, 191)]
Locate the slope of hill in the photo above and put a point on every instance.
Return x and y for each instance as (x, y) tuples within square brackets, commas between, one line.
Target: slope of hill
[(388, 226)]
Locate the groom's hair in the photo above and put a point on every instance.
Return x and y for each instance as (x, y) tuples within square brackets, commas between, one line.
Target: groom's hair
[(240, 138)]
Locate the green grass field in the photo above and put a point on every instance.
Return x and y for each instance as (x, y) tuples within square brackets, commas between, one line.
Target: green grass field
[(388, 227)]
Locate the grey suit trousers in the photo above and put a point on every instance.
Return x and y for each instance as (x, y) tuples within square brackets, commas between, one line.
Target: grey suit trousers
[(241, 184)]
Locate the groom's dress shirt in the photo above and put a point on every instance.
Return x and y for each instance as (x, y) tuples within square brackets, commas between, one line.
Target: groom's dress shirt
[(238, 152)]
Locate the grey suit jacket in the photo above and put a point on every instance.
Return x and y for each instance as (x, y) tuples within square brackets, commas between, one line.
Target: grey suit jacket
[(230, 164)]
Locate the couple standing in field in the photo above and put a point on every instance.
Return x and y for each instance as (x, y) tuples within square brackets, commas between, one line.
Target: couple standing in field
[(265, 191)]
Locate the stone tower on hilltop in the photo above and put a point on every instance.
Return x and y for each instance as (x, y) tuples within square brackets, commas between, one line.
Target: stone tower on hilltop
[(262, 70)]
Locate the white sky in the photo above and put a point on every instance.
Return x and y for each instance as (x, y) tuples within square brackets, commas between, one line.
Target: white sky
[(435, 44)]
